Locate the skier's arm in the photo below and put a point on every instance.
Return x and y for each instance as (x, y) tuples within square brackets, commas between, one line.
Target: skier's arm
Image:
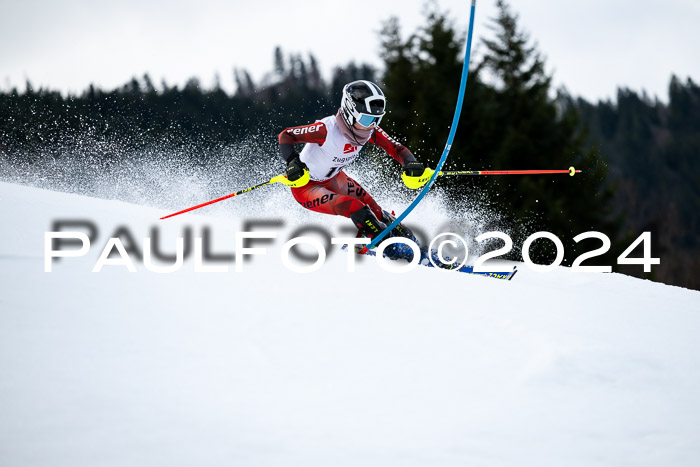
[(314, 133), (392, 147), (414, 173)]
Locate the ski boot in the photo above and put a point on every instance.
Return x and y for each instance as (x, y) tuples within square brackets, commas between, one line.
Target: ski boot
[(369, 226), (400, 230)]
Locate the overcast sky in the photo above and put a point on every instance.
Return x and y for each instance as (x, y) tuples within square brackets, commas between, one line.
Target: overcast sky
[(591, 47)]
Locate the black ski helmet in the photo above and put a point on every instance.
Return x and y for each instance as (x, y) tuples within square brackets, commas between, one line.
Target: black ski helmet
[(362, 102)]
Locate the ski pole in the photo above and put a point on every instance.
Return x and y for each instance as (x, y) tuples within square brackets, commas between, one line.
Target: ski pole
[(571, 172), (278, 178)]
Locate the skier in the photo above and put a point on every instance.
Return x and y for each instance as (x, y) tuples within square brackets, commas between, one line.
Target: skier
[(335, 141)]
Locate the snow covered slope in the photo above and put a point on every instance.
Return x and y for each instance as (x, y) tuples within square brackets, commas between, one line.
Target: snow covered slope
[(269, 367)]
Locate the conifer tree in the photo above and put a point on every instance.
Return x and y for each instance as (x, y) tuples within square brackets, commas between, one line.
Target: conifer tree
[(526, 129), (421, 73)]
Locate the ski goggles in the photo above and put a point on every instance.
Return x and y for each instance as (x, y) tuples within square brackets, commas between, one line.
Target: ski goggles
[(367, 119), (374, 104)]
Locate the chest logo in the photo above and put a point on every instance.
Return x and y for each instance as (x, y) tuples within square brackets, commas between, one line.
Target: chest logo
[(349, 148)]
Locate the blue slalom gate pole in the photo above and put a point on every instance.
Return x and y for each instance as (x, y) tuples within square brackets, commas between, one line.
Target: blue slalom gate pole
[(453, 130)]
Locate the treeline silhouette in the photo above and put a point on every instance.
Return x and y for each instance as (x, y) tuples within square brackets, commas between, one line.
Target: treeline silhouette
[(640, 157), (653, 153)]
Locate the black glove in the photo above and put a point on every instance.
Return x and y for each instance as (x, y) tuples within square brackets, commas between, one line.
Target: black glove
[(295, 168), (413, 169)]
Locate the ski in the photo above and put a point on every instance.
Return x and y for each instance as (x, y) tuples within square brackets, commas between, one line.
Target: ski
[(425, 261)]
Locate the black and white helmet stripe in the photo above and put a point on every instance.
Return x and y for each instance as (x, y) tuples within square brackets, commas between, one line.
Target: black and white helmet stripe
[(376, 93)]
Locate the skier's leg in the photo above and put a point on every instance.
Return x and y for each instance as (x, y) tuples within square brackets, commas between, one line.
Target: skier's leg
[(320, 198), (352, 188), (343, 196), (339, 195), (344, 185)]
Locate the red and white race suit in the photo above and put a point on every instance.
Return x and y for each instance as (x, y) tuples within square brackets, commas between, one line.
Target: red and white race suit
[(326, 152)]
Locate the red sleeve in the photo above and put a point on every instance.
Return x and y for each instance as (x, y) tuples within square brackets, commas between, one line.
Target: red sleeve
[(313, 133), (395, 149)]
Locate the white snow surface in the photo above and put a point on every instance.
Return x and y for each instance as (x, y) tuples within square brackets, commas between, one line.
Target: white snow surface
[(267, 367)]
